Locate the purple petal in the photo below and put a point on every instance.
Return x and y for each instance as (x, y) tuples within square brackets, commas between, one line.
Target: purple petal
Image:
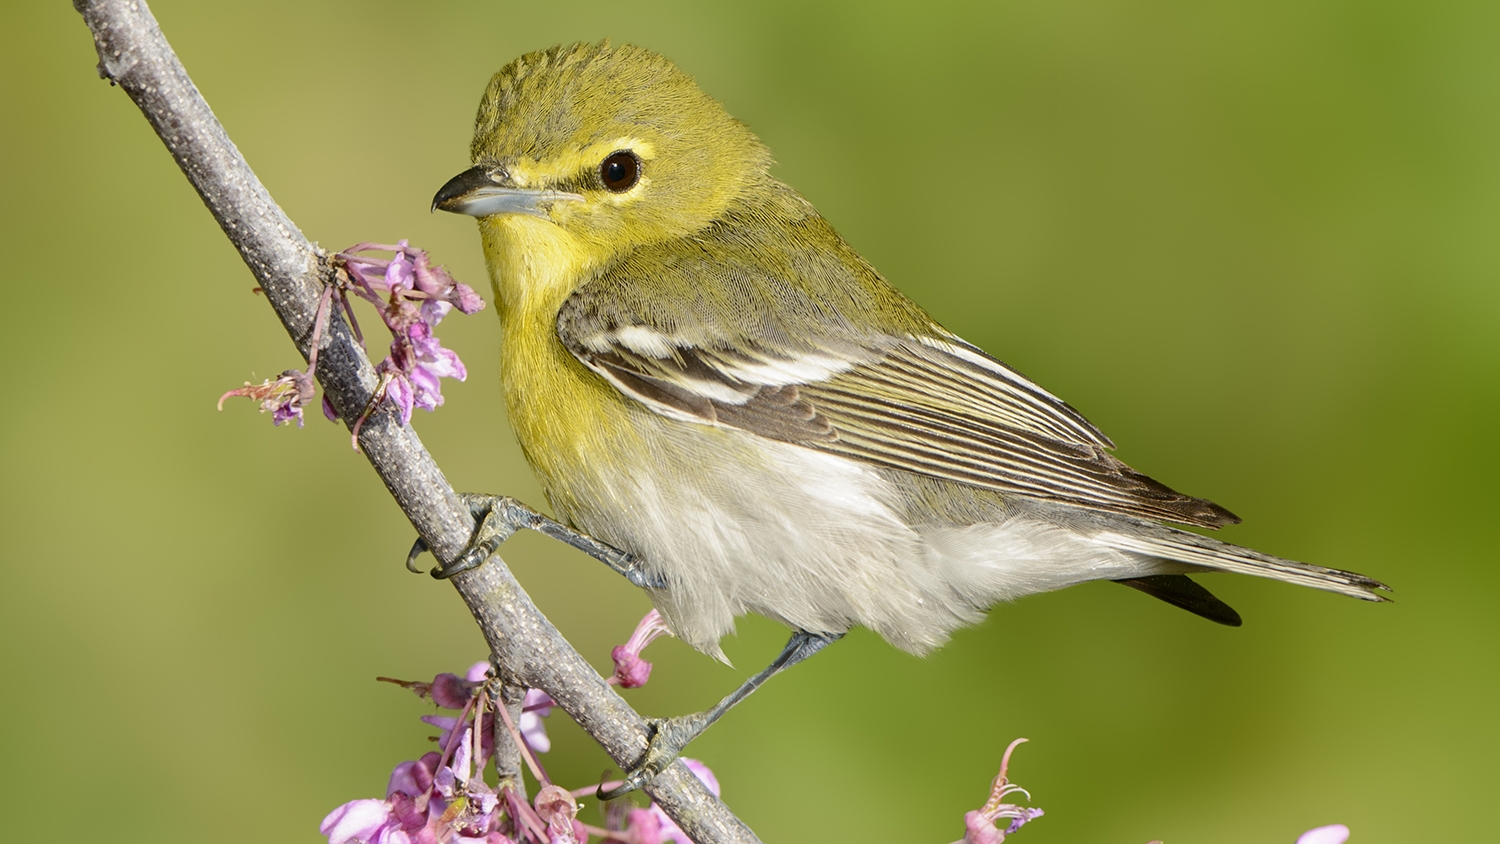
[(450, 691), (645, 825), (667, 829), (483, 799), (426, 389), (434, 281), (630, 670), (404, 811), (535, 706), (408, 778), (433, 311), (463, 757), (979, 829), (703, 773), (286, 412), (399, 392), (442, 722), (357, 819), (1332, 834), (391, 835), (430, 351), (445, 363), (466, 299), (535, 732), (419, 335), (539, 702), (647, 630), (1026, 816), (477, 672), (399, 272)]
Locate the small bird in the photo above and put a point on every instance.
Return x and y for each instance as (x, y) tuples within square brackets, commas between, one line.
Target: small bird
[(726, 403)]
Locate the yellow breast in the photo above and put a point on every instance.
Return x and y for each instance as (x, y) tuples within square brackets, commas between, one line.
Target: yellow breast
[(570, 423)]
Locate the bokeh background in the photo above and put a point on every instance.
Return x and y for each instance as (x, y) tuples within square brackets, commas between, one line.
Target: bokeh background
[(1257, 242)]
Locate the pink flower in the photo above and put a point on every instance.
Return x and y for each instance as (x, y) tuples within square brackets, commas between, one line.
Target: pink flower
[(1333, 834), (632, 672), (412, 297)]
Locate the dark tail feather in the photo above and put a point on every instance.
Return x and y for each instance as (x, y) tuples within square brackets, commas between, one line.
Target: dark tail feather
[(1181, 591)]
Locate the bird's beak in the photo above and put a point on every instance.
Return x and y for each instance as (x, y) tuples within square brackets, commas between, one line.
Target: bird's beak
[(481, 191)]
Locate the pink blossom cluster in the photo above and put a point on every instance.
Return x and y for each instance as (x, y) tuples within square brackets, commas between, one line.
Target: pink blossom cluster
[(412, 296), (443, 798)]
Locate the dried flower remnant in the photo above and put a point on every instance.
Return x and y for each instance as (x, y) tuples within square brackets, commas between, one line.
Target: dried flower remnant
[(558, 810), (284, 396), (979, 825)]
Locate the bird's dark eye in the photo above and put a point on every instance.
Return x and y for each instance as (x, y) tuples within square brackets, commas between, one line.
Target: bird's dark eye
[(620, 171)]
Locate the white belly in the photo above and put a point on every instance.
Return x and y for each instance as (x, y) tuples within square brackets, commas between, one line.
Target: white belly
[(817, 542)]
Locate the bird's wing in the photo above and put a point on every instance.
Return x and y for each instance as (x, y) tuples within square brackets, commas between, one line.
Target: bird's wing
[(768, 357)]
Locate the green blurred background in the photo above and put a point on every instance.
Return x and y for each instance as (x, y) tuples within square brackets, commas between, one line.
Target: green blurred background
[(1256, 242)]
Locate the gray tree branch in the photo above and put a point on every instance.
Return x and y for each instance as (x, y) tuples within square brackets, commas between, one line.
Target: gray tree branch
[(135, 55)]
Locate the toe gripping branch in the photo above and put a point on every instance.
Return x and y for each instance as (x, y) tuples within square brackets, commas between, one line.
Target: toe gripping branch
[(499, 518)]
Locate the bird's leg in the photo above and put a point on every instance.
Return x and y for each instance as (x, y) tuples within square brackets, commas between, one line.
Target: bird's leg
[(500, 516), (670, 735)]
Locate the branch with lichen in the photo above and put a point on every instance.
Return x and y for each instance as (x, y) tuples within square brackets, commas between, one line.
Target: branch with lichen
[(527, 649)]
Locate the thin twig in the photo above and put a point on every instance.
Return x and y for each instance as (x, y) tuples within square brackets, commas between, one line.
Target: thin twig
[(135, 55), (506, 754)]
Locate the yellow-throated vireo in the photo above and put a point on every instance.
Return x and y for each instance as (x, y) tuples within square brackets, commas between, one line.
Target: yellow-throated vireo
[(746, 417)]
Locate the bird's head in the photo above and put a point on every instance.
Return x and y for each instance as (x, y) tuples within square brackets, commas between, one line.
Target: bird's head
[(614, 145)]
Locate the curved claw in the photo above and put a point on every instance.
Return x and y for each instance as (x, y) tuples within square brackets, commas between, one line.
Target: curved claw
[(635, 781), (471, 559), (417, 549)]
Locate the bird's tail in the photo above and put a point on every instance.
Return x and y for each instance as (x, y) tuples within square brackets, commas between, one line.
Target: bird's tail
[(1166, 543)]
